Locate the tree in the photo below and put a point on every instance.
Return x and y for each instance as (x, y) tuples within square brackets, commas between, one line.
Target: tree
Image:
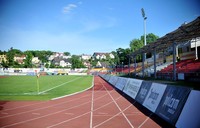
[(76, 62), (123, 56), (10, 58), (67, 53), (4, 64), (42, 55), (149, 38), (136, 44), (116, 58), (28, 60)]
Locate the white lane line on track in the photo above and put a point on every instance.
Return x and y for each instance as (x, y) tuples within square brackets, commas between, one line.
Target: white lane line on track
[(8, 109), (92, 105), (113, 116), (59, 85), (25, 121), (118, 106), (10, 115), (81, 115), (145, 120)]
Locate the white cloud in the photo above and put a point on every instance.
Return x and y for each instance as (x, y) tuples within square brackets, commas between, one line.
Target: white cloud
[(69, 8)]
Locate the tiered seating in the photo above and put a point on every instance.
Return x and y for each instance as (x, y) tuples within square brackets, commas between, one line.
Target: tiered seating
[(184, 66), (190, 68), (124, 70)]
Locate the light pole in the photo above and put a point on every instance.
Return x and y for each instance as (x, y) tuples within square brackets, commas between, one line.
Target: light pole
[(144, 54), (143, 15)]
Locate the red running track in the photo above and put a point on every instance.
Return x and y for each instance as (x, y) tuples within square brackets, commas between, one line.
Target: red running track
[(99, 107)]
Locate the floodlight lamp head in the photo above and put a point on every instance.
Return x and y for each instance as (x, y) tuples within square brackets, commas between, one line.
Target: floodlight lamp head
[(143, 13)]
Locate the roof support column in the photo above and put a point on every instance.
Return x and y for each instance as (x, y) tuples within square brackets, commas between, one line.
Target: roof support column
[(135, 65), (143, 59), (174, 61), (196, 50), (129, 58), (154, 58)]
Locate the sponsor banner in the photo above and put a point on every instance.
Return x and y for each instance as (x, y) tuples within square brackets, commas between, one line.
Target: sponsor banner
[(172, 103), (181, 76), (113, 80), (121, 82), (132, 87), (190, 117), (144, 89), (154, 96), (102, 75), (107, 77)]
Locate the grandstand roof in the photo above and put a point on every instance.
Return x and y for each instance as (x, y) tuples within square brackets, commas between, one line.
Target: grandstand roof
[(185, 32)]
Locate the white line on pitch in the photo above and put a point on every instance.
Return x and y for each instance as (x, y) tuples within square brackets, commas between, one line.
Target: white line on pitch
[(58, 85)]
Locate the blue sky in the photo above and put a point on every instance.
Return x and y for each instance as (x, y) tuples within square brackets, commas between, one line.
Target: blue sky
[(87, 26)]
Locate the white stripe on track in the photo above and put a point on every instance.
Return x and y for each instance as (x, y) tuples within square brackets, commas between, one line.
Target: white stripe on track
[(113, 116), (25, 121), (8, 109), (10, 115), (145, 120), (81, 115), (118, 107), (92, 105)]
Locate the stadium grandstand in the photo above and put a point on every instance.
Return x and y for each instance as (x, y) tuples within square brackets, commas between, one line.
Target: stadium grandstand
[(175, 56)]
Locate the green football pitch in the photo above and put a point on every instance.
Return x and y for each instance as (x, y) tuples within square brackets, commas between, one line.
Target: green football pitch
[(42, 88)]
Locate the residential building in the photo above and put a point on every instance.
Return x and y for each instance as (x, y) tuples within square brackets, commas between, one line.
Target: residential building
[(85, 57), (60, 61), (57, 54), (101, 56), (19, 58), (35, 60), (102, 64), (87, 64), (3, 58)]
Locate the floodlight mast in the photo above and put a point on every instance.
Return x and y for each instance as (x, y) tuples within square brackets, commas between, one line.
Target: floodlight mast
[(144, 54), (143, 15)]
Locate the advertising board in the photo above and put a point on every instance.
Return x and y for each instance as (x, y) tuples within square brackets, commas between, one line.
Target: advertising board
[(190, 117), (121, 82), (172, 103), (113, 80), (154, 96), (132, 87), (143, 91)]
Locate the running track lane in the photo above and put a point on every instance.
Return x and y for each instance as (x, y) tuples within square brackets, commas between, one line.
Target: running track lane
[(98, 107)]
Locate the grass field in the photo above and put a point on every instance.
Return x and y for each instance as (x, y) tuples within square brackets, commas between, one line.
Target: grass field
[(43, 88)]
